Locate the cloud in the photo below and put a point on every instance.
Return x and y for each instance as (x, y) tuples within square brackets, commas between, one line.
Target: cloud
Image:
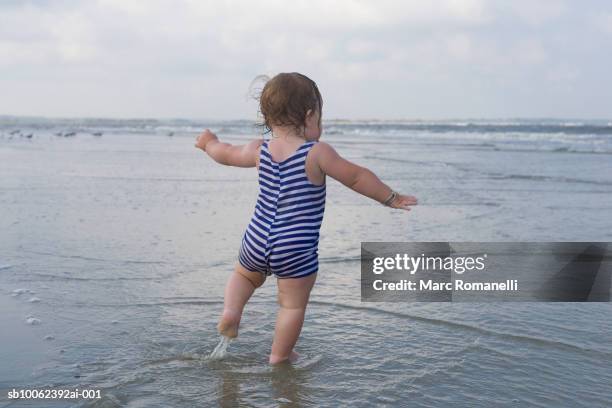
[(603, 22), (197, 58), (535, 13)]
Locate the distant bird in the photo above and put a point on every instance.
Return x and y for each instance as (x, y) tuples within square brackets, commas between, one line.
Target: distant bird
[(14, 132), (97, 133), (170, 133), (69, 134), (59, 134), (29, 135)]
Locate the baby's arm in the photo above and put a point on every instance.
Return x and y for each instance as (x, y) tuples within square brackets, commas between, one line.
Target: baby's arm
[(358, 178), (225, 153)]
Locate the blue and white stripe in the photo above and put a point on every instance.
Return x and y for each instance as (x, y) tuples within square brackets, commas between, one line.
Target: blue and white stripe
[(283, 235)]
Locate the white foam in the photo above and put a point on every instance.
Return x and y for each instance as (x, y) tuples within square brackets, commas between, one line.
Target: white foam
[(33, 321), (221, 350), (283, 400)]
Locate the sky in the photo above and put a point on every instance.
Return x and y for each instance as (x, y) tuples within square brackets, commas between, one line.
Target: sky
[(371, 59)]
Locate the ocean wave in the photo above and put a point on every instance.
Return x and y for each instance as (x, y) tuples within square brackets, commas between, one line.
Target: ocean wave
[(37, 277), (339, 259), (562, 345), (557, 179), (91, 258), (334, 126), (520, 338)]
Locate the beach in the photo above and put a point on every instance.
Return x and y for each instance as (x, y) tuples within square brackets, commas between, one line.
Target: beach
[(116, 242)]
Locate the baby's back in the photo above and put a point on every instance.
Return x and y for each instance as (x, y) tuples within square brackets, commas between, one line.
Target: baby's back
[(283, 235)]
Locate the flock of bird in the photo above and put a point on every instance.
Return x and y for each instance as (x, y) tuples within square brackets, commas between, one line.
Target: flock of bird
[(29, 135), (18, 132)]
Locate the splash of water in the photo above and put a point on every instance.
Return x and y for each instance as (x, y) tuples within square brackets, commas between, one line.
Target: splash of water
[(221, 350)]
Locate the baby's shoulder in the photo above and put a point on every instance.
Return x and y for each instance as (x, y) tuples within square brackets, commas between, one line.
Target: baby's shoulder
[(319, 147), (322, 150), (255, 143), (254, 146), (252, 150)]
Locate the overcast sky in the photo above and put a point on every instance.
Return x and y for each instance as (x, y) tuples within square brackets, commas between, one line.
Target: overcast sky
[(371, 59)]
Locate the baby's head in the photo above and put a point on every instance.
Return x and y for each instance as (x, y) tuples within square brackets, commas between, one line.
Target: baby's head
[(292, 100)]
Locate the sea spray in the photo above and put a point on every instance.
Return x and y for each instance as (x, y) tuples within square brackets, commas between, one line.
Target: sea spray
[(221, 350)]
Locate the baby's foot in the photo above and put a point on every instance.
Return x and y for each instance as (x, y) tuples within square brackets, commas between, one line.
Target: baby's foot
[(277, 360), (228, 324), (293, 357)]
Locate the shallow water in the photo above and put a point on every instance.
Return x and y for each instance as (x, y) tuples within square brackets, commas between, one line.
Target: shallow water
[(114, 251)]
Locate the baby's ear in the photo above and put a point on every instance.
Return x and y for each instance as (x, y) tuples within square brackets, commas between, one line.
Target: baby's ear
[(309, 112)]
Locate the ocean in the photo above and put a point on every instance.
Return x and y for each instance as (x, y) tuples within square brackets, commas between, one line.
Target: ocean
[(117, 237)]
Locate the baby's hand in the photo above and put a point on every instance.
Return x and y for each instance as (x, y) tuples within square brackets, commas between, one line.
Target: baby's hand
[(403, 202), (204, 138)]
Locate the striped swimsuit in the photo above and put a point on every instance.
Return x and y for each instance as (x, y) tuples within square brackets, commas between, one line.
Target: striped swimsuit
[(283, 235)]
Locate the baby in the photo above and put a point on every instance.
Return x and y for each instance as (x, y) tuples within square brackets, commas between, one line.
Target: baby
[(283, 234)]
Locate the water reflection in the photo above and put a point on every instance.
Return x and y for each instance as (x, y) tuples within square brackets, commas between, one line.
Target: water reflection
[(229, 389), (288, 387)]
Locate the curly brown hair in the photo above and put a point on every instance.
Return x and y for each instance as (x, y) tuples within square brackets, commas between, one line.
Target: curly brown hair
[(286, 98)]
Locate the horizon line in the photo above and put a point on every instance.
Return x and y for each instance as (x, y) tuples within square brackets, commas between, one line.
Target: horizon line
[(335, 119)]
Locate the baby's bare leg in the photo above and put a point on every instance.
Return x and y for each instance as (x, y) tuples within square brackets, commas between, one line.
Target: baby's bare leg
[(293, 294), (239, 288)]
